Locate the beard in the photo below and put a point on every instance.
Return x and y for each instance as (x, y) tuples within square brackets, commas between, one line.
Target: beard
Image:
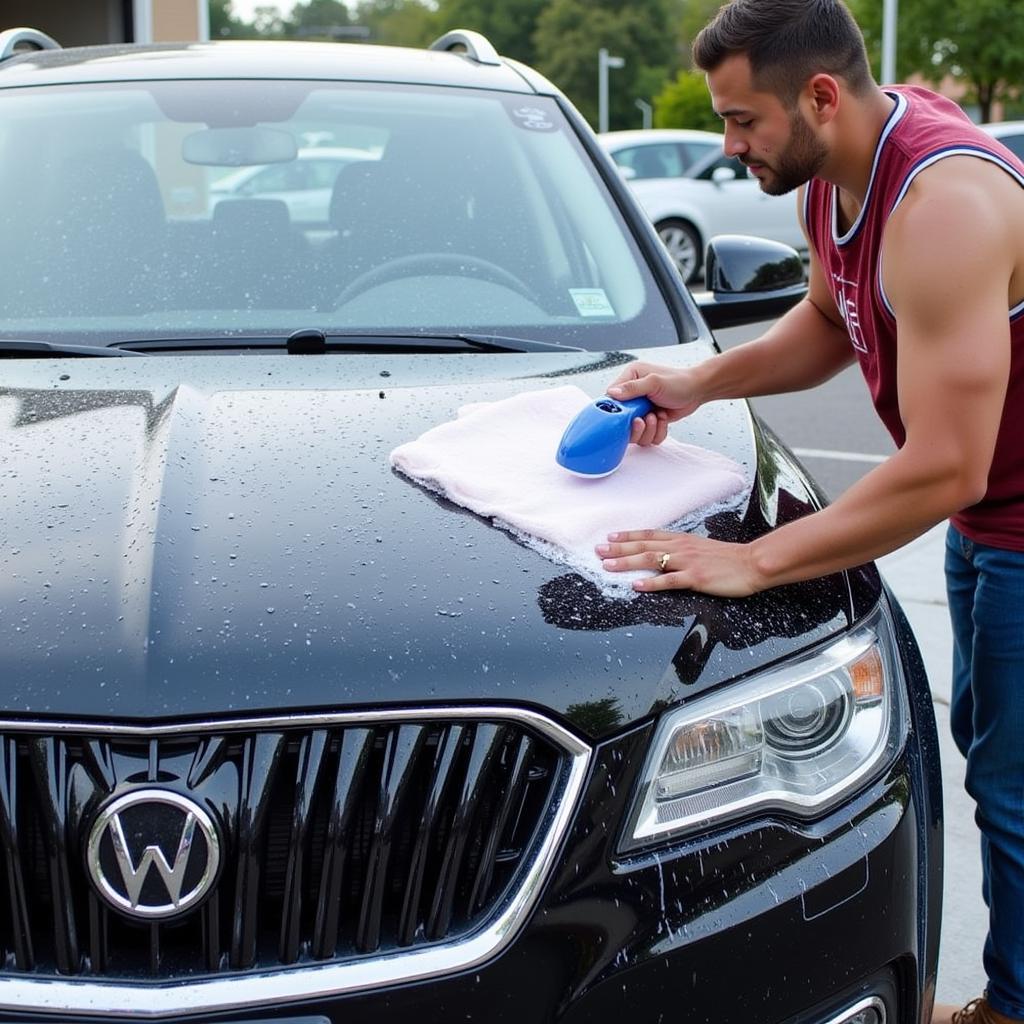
[(797, 163)]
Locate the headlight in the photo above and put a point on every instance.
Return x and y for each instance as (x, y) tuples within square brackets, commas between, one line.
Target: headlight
[(797, 738)]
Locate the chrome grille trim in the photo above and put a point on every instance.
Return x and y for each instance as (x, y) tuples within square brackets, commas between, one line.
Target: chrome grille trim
[(524, 716), (148, 1001)]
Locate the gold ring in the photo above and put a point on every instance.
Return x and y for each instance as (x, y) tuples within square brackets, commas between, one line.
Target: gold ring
[(663, 562)]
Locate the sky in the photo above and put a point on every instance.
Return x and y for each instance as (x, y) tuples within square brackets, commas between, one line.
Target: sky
[(245, 9)]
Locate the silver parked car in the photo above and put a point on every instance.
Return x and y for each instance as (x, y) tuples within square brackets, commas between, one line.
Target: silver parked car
[(689, 203), (659, 152), (304, 184), (1009, 133)]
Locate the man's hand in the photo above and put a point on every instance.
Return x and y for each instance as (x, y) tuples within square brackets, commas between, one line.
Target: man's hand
[(692, 563), (676, 393)]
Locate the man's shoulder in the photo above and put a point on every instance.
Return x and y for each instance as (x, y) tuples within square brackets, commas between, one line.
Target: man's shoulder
[(920, 97), (961, 217), (928, 126), (962, 180)]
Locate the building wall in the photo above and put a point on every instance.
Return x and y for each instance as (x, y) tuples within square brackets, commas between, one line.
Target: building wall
[(71, 22), (175, 21), (91, 22)]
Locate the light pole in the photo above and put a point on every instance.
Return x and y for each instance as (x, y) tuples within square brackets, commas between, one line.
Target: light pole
[(604, 62), (647, 110), (889, 9)]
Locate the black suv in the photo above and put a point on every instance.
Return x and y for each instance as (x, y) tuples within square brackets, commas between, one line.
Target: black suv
[(287, 737)]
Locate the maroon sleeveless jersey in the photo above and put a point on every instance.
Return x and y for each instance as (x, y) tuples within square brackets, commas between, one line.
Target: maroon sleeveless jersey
[(922, 128)]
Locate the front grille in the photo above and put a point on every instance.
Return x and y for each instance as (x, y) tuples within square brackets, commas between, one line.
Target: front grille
[(340, 840)]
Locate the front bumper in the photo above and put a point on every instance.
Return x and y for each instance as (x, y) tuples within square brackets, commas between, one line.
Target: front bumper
[(763, 924), (768, 921)]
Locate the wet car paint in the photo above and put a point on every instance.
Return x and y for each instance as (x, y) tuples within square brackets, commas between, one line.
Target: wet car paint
[(113, 518), (125, 567), (767, 899), (238, 543)]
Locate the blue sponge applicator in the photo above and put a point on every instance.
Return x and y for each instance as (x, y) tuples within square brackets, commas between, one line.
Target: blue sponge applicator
[(595, 442)]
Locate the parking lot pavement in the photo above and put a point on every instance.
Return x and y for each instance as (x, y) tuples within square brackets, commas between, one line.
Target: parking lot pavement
[(915, 575), (840, 438)]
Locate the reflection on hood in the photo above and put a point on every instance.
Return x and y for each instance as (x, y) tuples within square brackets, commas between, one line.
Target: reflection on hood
[(41, 405), (798, 610)]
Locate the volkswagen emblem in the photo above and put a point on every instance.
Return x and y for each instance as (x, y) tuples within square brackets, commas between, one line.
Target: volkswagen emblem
[(153, 854)]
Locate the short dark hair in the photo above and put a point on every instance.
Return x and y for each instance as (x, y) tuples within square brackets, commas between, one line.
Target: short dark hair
[(787, 42)]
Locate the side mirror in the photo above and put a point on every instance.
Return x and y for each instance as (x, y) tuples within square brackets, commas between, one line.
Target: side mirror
[(627, 172), (720, 175), (749, 280)]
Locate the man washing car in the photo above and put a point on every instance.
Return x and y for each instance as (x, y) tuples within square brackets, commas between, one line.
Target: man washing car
[(887, 178)]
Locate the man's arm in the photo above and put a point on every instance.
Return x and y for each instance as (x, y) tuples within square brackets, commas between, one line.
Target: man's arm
[(953, 365), (805, 347)]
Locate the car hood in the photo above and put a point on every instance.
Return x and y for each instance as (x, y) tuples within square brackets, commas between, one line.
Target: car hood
[(195, 536)]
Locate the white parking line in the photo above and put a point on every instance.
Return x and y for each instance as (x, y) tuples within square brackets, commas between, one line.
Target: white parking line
[(822, 453)]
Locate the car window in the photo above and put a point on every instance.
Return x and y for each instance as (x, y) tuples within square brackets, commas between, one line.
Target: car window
[(706, 173), (655, 160), (460, 210), (288, 177), (322, 173), (1014, 143), (697, 151)]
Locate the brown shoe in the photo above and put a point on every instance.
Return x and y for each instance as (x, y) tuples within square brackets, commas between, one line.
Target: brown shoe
[(977, 1011)]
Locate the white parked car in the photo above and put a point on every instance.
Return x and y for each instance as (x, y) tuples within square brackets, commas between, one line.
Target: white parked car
[(303, 184), (714, 195), (659, 152), (1009, 133)]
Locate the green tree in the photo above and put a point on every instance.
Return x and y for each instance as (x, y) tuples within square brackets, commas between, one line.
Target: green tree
[(509, 24), (596, 717), (977, 42), (570, 33), (223, 23), (399, 22), (317, 19), (268, 23), (912, 54), (693, 16), (686, 103)]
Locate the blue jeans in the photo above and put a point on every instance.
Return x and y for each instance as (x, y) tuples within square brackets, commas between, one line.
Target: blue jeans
[(986, 605)]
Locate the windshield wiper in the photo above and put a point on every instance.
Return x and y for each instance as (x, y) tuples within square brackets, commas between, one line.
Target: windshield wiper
[(303, 342), (311, 341), (24, 346), (501, 343)]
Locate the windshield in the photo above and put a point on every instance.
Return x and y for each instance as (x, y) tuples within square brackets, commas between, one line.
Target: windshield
[(220, 209)]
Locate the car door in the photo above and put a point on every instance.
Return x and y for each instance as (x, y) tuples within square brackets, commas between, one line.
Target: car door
[(737, 205), (1013, 141), (651, 160), (663, 159)]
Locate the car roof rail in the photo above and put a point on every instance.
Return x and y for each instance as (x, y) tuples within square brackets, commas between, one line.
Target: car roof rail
[(15, 37), (472, 44)]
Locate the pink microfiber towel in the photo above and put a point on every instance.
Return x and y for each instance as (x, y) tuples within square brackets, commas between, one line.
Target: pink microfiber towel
[(498, 459)]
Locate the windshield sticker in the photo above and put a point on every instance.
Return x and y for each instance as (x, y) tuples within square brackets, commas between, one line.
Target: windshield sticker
[(536, 119), (591, 302)]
